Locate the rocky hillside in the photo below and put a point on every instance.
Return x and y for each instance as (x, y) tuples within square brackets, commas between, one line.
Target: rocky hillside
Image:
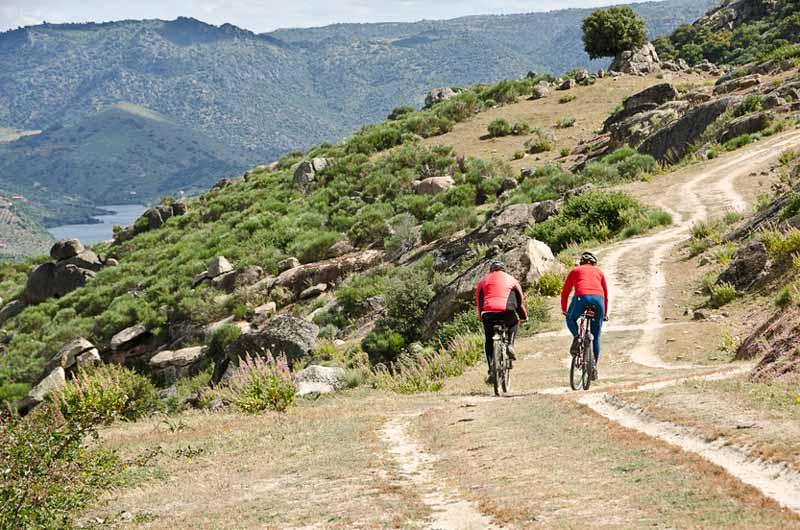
[(738, 32), (257, 96)]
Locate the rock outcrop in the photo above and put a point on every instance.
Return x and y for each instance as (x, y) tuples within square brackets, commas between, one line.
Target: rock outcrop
[(329, 272), (52, 383), (155, 217), (642, 61), (282, 335), (437, 95), (526, 259), (749, 124), (749, 265), (306, 172), (51, 280), (76, 354), (775, 343), (671, 143), (737, 84)]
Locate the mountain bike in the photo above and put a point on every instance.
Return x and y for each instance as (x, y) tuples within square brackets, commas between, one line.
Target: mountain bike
[(582, 367), (501, 364)]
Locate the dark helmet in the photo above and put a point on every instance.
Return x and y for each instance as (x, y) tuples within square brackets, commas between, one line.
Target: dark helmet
[(587, 258), (497, 266)]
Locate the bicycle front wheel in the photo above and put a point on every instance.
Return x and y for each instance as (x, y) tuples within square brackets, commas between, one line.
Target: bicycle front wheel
[(576, 372), (588, 368)]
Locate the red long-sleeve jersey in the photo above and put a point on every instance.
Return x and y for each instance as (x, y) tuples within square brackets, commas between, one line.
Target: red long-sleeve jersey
[(499, 292), (586, 280)]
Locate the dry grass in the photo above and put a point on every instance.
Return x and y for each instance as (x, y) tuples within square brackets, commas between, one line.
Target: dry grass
[(549, 463), (591, 107), (323, 462)]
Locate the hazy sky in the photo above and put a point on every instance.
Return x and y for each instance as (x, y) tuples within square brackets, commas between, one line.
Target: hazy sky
[(266, 15)]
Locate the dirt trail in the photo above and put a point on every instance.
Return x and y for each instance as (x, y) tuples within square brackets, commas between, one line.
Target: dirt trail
[(450, 512), (634, 269)]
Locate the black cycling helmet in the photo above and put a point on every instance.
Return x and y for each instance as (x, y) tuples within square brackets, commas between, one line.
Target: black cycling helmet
[(587, 258), (497, 266)]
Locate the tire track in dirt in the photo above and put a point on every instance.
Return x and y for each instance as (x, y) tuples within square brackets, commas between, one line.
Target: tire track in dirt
[(450, 512)]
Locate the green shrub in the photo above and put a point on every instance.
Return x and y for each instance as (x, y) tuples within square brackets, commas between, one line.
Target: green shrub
[(49, 470), (465, 323), (519, 155), (722, 294), (601, 172), (788, 157), (781, 246), (619, 155), (568, 98), (222, 337), (110, 392), (352, 295), (751, 103), (260, 384), (399, 112), (565, 152), (739, 141), (520, 128), (448, 222), (785, 297), (11, 393), (566, 123), (310, 246), (550, 284), (792, 207), (499, 127), (608, 32), (596, 215), (637, 166), (541, 141)]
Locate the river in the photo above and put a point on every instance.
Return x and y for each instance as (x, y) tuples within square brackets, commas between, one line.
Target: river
[(89, 234)]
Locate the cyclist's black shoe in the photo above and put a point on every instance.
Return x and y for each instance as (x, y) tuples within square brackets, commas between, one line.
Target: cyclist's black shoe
[(594, 374), (575, 348), (490, 379), (510, 352)]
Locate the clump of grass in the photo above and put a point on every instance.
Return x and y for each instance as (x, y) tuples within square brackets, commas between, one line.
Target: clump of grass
[(499, 127), (260, 384), (763, 200), (566, 122), (792, 207), (519, 154), (722, 294), (565, 152), (740, 141), (786, 296), (725, 253), (779, 245), (567, 98), (542, 141), (752, 103), (788, 157)]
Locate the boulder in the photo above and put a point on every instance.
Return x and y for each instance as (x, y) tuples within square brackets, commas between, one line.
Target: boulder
[(655, 95), (111, 262), (171, 365), (53, 382), (752, 123), (675, 66), (243, 277), (282, 335), (601, 74), (525, 214), (128, 336), (528, 260), (582, 76), (86, 259), (697, 97), (304, 175), (50, 280), (567, 84), (737, 84), (200, 278), (66, 248), (157, 216), (288, 264), (749, 265), (270, 308), (580, 190), (708, 68), (542, 90), (330, 271), (218, 266), (437, 95), (671, 143), (340, 248), (88, 358), (775, 343), (433, 185), (67, 357), (180, 208), (10, 310), (319, 380), (223, 183), (641, 61), (773, 101), (313, 291)]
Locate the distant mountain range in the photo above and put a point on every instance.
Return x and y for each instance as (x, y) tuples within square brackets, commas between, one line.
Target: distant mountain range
[(133, 110)]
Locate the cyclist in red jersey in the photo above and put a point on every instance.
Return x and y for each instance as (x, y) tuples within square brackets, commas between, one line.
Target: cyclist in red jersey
[(500, 300), (589, 284)]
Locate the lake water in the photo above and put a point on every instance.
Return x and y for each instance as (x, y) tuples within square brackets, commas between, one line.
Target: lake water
[(124, 215)]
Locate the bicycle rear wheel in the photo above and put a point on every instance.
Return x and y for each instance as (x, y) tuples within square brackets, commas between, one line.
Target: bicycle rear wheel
[(499, 352), (505, 380), (588, 355)]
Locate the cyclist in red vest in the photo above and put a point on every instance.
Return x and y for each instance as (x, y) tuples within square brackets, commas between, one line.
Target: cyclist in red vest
[(500, 300), (589, 284)]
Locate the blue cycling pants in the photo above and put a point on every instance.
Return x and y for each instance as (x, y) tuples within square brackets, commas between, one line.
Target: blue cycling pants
[(576, 308)]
